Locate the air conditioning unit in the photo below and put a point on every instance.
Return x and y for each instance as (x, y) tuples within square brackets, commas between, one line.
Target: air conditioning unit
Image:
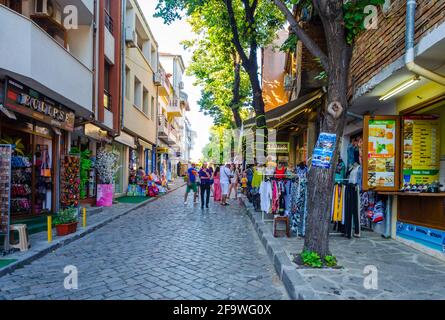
[(44, 7), (181, 85), (288, 82), (157, 79), (131, 37)]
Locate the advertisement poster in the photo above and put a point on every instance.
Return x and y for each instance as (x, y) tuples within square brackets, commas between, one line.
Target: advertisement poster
[(324, 150), (381, 153), (421, 149)]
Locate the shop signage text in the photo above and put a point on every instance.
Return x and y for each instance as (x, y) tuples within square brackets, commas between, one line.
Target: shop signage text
[(278, 147), (30, 103)]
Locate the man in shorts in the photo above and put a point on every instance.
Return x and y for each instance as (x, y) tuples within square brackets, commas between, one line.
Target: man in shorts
[(225, 176), (192, 173)]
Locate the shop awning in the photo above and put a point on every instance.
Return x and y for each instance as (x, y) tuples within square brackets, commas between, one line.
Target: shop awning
[(126, 139), (286, 112), (145, 144)]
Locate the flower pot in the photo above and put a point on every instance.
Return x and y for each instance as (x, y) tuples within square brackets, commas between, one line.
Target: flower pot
[(105, 195), (64, 229)]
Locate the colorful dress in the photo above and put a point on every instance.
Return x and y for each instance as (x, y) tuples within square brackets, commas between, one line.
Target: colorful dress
[(217, 188)]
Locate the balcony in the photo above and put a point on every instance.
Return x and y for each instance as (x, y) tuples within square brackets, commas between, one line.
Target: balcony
[(174, 108), (31, 56), (163, 128), (109, 38), (172, 137), (165, 86)]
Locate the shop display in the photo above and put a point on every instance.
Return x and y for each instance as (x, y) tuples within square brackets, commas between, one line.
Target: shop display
[(421, 151), (106, 166), (21, 185), (43, 180), (70, 181), (5, 189)]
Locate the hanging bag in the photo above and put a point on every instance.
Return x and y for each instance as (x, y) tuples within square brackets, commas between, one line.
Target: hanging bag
[(45, 171)]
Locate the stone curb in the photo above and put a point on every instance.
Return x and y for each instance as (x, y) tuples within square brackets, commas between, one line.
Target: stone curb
[(56, 244), (296, 286)]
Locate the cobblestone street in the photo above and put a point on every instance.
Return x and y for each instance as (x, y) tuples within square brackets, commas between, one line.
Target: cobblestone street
[(161, 251)]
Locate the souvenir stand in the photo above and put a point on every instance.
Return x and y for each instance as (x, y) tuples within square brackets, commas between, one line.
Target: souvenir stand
[(5, 193), (70, 181)]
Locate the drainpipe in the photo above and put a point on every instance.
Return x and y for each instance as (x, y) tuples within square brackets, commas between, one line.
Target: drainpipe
[(94, 59), (409, 56), (123, 71)]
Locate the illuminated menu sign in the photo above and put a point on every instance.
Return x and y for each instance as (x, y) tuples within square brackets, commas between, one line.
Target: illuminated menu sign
[(421, 149)]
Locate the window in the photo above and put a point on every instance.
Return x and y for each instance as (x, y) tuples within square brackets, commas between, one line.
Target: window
[(16, 5), (152, 107), (127, 82), (108, 19), (145, 97), (137, 93), (107, 96), (154, 58)]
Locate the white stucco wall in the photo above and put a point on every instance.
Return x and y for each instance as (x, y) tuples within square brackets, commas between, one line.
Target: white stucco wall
[(28, 51)]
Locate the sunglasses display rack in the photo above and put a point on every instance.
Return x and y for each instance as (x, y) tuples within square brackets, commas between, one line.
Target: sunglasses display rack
[(5, 193), (70, 181)]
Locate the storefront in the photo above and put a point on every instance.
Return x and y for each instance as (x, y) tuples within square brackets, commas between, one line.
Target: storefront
[(86, 140), (125, 144), (406, 156), (37, 126)]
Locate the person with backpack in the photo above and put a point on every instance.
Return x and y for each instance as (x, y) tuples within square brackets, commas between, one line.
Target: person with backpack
[(192, 174)]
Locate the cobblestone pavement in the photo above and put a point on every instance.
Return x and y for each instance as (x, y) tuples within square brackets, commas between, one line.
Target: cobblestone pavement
[(164, 250)]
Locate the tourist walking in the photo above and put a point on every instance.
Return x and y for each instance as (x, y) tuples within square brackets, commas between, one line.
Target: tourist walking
[(225, 175), (191, 183), (216, 185), (234, 182), (205, 176)]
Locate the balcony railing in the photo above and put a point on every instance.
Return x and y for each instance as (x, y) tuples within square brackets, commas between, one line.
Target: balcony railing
[(108, 21)]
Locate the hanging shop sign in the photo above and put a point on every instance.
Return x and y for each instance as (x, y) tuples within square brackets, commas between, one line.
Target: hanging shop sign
[(161, 150), (278, 147), (29, 102), (421, 149), (324, 150), (380, 165), (126, 139)]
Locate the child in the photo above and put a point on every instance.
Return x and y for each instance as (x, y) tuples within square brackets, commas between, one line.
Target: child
[(244, 183)]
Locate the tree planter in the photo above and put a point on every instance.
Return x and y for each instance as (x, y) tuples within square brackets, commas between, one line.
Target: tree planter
[(104, 195), (65, 229)]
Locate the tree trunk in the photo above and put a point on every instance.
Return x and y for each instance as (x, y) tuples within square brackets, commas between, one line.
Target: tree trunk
[(321, 181), (236, 98)]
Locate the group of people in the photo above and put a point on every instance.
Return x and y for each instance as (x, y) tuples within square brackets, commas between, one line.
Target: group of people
[(221, 182)]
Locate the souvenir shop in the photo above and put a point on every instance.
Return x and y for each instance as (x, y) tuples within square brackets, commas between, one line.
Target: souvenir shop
[(86, 140), (36, 126), (406, 163)]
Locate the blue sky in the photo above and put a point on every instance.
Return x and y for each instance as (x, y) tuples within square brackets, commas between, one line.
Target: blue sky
[(169, 38)]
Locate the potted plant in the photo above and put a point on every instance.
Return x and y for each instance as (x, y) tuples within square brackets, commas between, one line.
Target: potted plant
[(66, 221), (106, 168)]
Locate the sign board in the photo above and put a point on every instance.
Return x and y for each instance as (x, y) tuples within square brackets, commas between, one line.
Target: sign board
[(162, 150), (324, 150), (97, 133), (421, 149), (380, 150), (26, 101), (278, 147)]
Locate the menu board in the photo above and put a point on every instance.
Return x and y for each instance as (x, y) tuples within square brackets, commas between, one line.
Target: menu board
[(380, 148), (5, 189), (421, 149)]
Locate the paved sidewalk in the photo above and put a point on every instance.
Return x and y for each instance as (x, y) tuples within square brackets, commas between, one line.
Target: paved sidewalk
[(96, 218), (403, 272), (164, 250)]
